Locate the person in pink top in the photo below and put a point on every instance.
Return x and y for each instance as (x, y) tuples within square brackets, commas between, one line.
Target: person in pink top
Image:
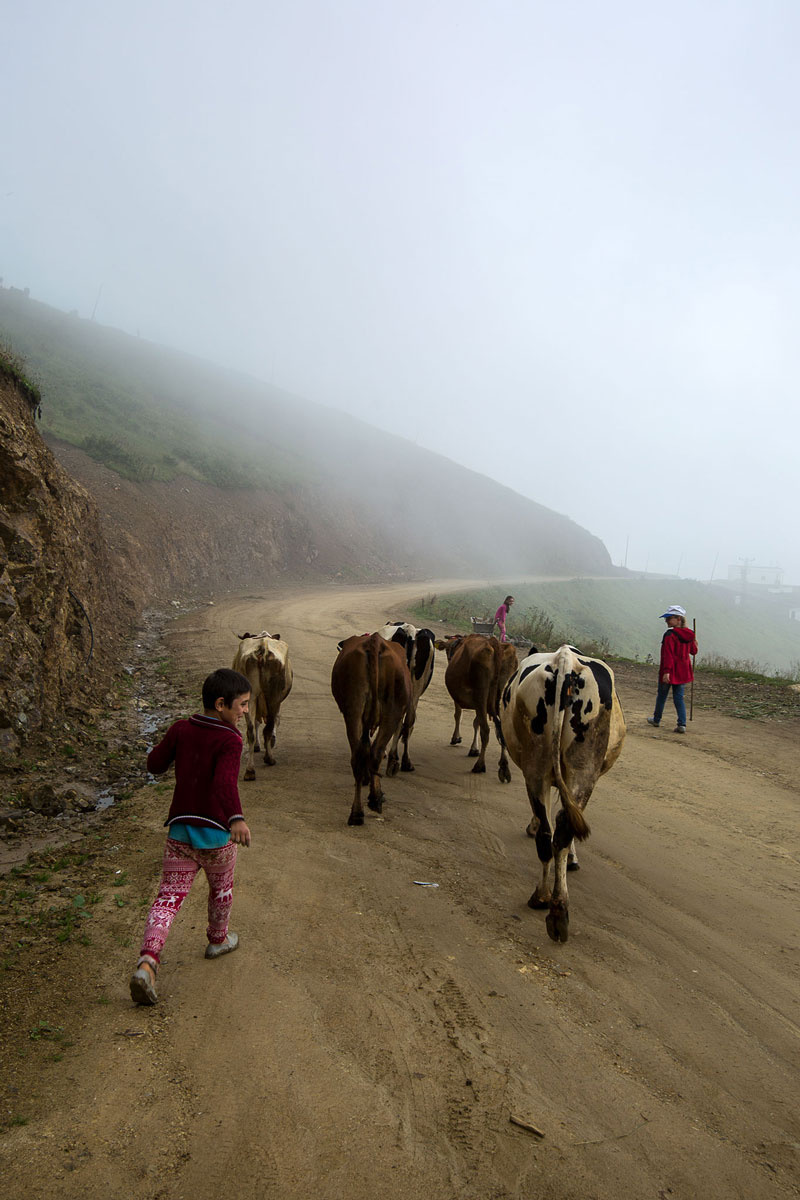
[(500, 617), (205, 822)]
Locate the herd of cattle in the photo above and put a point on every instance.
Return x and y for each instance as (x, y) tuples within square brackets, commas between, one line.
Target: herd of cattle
[(557, 715)]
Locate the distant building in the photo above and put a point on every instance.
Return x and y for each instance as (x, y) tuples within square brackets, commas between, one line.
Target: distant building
[(747, 572)]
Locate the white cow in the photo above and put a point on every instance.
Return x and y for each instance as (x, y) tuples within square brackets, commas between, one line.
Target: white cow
[(264, 659)]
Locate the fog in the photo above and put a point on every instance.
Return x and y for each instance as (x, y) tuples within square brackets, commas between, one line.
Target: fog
[(556, 243)]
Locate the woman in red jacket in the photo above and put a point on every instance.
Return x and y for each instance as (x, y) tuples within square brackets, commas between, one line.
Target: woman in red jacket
[(675, 670)]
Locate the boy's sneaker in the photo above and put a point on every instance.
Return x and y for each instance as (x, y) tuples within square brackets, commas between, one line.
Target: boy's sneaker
[(653, 721), (680, 729), (143, 986), (230, 943)]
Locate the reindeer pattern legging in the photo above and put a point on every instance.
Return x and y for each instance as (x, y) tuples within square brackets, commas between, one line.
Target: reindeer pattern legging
[(181, 864)]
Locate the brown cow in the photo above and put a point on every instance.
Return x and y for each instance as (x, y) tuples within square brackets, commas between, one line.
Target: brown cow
[(264, 659), (478, 668), (371, 684)]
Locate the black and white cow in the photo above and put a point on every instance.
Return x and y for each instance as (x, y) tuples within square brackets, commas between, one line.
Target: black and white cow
[(562, 722), (418, 645)]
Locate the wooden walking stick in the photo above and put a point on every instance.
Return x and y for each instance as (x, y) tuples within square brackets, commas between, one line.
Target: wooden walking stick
[(694, 660)]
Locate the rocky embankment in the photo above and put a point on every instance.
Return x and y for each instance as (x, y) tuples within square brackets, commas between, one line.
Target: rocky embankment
[(64, 614)]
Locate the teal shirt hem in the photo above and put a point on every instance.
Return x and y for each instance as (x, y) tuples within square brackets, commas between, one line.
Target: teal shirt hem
[(201, 837)]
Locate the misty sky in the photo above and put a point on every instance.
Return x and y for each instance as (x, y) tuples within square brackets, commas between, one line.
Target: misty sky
[(558, 243)]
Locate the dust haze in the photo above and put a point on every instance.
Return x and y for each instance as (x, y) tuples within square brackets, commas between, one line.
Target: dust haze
[(557, 244)]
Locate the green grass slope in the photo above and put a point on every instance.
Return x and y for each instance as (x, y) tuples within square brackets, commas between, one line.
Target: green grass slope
[(620, 617)]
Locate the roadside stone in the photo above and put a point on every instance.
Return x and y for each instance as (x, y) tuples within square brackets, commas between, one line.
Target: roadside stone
[(79, 799), (45, 801)]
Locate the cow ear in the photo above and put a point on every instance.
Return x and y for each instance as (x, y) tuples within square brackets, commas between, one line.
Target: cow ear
[(440, 644), (533, 650), (277, 636)]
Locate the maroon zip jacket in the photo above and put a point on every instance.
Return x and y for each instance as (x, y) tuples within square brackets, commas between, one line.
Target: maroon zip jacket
[(677, 647), (206, 753)]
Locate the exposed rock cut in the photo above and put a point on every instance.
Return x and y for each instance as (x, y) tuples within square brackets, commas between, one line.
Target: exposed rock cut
[(61, 615)]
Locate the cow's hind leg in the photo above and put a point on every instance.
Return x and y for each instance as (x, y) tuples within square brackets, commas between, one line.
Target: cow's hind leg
[(473, 751), (252, 744), (359, 762), (376, 799), (557, 921), (503, 769), (406, 763), (269, 740), (455, 740), (572, 858), (539, 828), (482, 728), (393, 758)]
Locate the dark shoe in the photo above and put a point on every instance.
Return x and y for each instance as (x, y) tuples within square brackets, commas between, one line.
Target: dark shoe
[(143, 988), (653, 721), (230, 943), (680, 729)]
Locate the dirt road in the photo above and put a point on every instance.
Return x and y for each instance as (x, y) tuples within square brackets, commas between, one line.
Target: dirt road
[(372, 1038)]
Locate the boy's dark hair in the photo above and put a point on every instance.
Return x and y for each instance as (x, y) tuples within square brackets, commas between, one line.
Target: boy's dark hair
[(225, 684)]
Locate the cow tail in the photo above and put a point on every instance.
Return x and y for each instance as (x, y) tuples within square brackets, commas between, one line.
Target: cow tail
[(372, 711), (563, 670)]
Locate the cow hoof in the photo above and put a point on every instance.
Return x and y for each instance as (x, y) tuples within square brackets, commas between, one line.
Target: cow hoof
[(537, 902), (406, 766), (455, 741), (573, 864), (392, 767), (249, 775), (557, 923), (479, 769), (376, 804), (503, 774), (355, 819), (472, 753), (269, 762), (530, 832)]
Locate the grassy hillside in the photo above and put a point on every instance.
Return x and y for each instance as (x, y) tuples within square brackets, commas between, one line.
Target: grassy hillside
[(151, 414), (144, 412), (620, 617)]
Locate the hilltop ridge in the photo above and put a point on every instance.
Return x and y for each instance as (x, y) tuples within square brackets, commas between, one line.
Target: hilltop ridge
[(276, 483)]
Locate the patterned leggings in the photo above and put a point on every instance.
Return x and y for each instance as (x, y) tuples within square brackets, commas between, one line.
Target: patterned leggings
[(181, 864)]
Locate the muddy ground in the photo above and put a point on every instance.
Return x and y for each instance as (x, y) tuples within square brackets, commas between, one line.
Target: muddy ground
[(373, 1037)]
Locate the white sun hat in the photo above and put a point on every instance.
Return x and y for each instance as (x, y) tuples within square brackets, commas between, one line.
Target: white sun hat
[(674, 610)]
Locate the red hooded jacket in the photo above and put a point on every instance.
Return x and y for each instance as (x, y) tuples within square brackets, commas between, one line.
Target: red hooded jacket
[(677, 647)]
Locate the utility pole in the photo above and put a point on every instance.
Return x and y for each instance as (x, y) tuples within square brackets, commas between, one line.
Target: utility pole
[(97, 301)]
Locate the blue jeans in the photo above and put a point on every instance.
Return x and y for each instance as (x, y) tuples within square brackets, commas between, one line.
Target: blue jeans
[(677, 697)]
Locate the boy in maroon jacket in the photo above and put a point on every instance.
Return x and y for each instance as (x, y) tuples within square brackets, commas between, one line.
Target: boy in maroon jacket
[(205, 821), (675, 669)]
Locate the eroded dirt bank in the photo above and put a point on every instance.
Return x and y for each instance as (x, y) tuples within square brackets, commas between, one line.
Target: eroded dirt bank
[(373, 1037)]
